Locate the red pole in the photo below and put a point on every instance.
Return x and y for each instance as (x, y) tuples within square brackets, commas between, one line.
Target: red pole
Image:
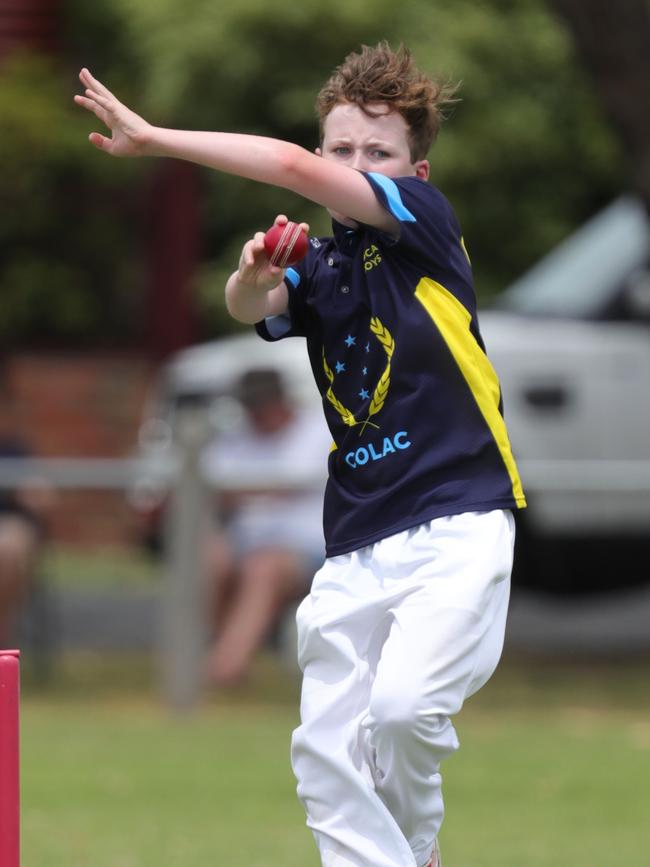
[(9, 758)]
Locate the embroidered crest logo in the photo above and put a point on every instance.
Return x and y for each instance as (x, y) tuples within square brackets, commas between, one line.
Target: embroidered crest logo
[(380, 393)]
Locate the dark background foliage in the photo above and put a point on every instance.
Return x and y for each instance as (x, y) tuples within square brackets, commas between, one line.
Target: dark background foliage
[(526, 157)]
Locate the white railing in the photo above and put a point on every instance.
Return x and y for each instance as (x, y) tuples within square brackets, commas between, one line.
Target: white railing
[(177, 472)]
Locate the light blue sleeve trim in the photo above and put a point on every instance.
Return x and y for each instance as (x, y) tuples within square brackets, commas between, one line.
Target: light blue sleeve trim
[(278, 326), (393, 199), (293, 277)]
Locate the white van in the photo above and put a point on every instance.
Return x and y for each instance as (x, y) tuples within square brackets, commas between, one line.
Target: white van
[(570, 342)]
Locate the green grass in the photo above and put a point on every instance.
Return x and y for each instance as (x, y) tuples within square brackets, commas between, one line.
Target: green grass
[(553, 770), (108, 566)]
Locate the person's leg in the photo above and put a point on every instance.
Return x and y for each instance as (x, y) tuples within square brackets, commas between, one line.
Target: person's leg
[(18, 553), (266, 581), (342, 626), (219, 569), (445, 641)]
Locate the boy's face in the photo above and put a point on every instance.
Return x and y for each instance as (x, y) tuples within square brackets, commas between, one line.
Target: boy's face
[(370, 143)]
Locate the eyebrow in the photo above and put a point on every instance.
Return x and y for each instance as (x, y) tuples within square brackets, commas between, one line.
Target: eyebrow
[(375, 143)]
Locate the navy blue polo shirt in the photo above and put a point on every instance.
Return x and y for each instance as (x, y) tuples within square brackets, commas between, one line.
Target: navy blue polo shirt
[(410, 397)]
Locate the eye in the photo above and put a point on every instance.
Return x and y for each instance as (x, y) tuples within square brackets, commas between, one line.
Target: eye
[(342, 151), (379, 154)]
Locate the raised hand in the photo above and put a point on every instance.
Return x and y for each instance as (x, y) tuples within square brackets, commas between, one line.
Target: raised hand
[(130, 134), (255, 268)]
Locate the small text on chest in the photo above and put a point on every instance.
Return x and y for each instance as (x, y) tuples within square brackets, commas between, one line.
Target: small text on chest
[(371, 257)]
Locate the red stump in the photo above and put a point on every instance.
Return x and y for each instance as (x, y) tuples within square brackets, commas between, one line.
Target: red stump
[(9, 758)]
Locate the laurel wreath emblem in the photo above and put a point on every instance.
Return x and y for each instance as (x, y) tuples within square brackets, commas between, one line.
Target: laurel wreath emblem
[(380, 393), (346, 415)]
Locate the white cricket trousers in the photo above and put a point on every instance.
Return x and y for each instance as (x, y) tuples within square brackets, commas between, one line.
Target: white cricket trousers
[(392, 639)]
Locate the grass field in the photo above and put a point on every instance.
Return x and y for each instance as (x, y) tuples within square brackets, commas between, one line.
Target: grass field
[(554, 770)]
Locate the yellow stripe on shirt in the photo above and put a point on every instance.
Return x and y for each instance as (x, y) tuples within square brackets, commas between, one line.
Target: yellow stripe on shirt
[(462, 244), (452, 321)]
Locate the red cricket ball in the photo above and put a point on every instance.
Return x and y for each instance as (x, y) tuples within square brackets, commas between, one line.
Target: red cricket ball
[(286, 245)]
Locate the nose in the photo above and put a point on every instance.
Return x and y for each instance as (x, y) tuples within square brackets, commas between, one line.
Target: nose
[(359, 162)]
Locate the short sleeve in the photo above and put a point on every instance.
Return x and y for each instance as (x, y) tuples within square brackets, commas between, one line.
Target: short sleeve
[(429, 229), (292, 323)]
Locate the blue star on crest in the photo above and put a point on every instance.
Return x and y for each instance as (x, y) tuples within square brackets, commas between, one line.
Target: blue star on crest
[(363, 394), (340, 367), (367, 347), (364, 370), (350, 340)]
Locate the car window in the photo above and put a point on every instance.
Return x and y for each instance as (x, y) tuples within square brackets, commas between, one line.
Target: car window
[(581, 277)]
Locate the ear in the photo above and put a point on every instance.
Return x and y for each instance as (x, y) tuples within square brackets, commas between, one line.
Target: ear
[(422, 169), (318, 152)]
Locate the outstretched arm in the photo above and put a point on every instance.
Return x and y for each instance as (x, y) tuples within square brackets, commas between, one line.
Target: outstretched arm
[(267, 160)]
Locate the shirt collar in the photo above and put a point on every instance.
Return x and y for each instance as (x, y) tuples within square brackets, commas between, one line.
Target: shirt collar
[(345, 237)]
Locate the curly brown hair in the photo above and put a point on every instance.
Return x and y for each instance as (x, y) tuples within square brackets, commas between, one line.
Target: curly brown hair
[(379, 74)]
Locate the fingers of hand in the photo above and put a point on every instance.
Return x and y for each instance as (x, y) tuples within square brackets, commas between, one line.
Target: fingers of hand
[(92, 105), (93, 83), (247, 258), (83, 101), (96, 97), (104, 101), (254, 265), (282, 220), (99, 141), (252, 251)]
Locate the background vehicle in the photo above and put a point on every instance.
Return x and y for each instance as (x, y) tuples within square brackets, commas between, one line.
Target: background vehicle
[(571, 343)]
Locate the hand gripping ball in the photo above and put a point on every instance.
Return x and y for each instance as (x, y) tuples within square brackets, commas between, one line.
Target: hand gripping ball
[(286, 245)]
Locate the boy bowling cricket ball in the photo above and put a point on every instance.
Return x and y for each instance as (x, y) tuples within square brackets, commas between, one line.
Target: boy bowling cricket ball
[(286, 245)]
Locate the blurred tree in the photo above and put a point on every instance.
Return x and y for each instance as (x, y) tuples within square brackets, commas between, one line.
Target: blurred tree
[(527, 155), (233, 66), (68, 239), (525, 159), (613, 40), (33, 23), (67, 270)]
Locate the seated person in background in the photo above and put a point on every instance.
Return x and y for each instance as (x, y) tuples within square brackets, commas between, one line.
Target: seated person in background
[(22, 524), (271, 542)]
